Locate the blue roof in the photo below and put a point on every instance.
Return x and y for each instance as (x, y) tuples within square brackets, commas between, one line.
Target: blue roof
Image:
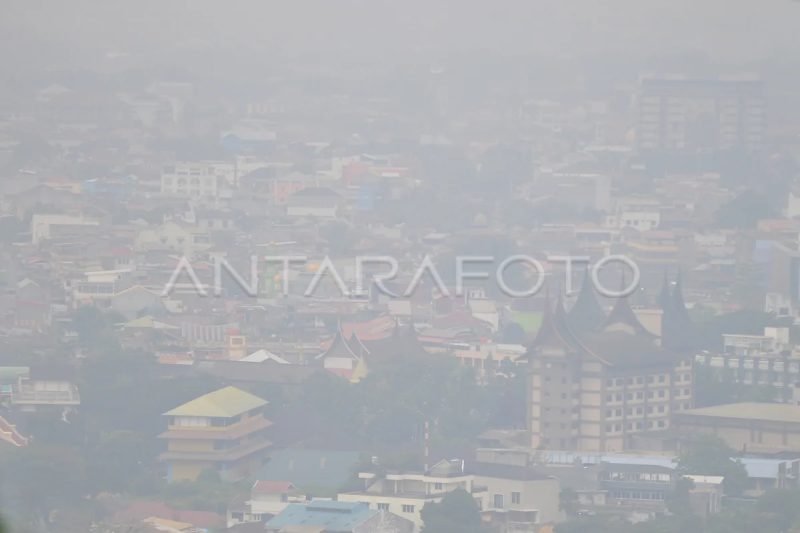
[(756, 468), (334, 516)]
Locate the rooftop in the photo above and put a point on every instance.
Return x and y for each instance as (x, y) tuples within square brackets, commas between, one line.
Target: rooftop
[(774, 412), (224, 403)]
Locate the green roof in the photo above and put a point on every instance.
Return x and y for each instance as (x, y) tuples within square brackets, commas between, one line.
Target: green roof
[(224, 403), (11, 373), (141, 322), (529, 321)]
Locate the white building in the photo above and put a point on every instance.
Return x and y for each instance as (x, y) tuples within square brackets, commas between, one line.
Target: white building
[(191, 179), (405, 493)]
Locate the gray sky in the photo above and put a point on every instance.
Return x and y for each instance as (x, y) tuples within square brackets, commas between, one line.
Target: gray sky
[(725, 28)]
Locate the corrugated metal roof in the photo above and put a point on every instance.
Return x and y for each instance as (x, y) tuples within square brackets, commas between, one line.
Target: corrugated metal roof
[(333, 515)]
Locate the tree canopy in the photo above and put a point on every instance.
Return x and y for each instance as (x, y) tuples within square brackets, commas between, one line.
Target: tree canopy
[(456, 513)]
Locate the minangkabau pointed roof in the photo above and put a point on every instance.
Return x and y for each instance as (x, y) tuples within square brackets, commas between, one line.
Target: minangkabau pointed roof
[(622, 313), (586, 314)]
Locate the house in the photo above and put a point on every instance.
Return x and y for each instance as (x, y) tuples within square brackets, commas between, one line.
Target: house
[(320, 202), (223, 430), (515, 486), (175, 235), (54, 226), (326, 516), (39, 386), (265, 500), (132, 302), (405, 493)]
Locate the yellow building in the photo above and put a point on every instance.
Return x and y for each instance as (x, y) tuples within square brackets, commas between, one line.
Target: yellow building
[(223, 430)]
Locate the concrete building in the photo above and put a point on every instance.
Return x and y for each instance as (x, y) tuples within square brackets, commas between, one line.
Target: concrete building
[(516, 488), (677, 114), (747, 427), (405, 493), (223, 430), (54, 226), (596, 379), (190, 179)]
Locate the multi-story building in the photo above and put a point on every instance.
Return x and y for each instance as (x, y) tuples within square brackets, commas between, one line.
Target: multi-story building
[(767, 360), (677, 114), (190, 179), (223, 430), (595, 379), (405, 493), (516, 489)]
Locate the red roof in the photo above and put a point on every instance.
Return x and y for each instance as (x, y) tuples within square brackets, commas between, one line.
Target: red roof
[(272, 486)]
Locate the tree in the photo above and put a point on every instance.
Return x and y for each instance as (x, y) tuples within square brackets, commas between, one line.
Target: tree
[(46, 478), (679, 502), (710, 456), (568, 501), (457, 513), (744, 211)]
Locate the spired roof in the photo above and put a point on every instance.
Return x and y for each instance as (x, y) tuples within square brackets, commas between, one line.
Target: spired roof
[(677, 329), (339, 347), (622, 314), (223, 403), (586, 314)]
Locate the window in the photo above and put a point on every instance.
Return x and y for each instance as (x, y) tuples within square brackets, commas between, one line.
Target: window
[(649, 394), (662, 378), (649, 410), (619, 397), (498, 501), (650, 379), (516, 497), (661, 394), (640, 396), (640, 381), (660, 408), (609, 383), (628, 412), (639, 410), (237, 516), (609, 398), (619, 382), (618, 412), (383, 506), (686, 392), (661, 423), (638, 425), (408, 508), (563, 395), (609, 413), (618, 427), (438, 486), (608, 428), (630, 381)]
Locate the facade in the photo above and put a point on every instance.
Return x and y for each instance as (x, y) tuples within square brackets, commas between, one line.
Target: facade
[(265, 500), (223, 430), (596, 379), (405, 493), (672, 112), (514, 486), (190, 179), (746, 427)]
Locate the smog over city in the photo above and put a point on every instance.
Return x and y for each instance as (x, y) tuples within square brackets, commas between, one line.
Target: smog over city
[(349, 266)]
